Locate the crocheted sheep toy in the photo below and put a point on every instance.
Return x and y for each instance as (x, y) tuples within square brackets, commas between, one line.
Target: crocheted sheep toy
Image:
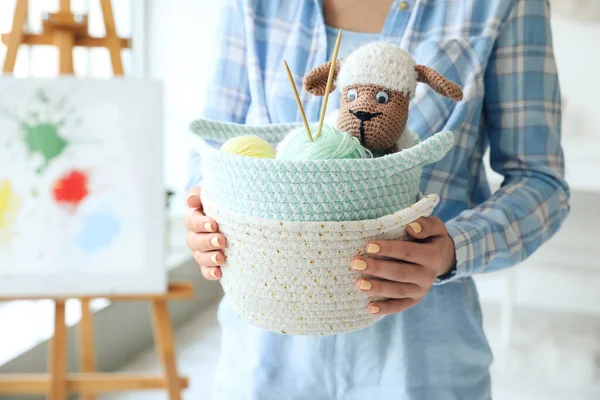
[(377, 82)]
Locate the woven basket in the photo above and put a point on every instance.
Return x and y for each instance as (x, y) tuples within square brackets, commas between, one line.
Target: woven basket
[(330, 190), (294, 277), (293, 227)]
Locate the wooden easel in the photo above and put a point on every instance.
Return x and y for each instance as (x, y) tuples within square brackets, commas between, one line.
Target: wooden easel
[(65, 30), (57, 383)]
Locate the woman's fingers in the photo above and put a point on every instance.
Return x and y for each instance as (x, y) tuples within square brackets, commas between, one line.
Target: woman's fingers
[(412, 252), (193, 198), (396, 271), (426, 227), (205, 241), (209, 263), (211, 273), (197, 222), (389, 289), (391, 306), (209, 258)]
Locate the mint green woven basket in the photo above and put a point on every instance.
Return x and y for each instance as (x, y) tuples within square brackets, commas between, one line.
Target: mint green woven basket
[(323, 190)]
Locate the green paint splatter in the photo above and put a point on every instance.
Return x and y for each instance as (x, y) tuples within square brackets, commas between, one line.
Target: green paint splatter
[(44, 138), (39, 133)]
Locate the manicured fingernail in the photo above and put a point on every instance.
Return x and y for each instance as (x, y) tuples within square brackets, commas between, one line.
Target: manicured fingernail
[(208, 227), (416, 227), (374, 309), (359, 265), (214, 258), (213, 273), (216, 242), (373, 248), (365, 285)]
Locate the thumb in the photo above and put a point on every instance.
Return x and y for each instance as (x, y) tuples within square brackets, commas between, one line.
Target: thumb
[(426, 227)]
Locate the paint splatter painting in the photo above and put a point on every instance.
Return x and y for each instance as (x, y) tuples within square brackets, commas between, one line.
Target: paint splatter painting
[(81, 190)]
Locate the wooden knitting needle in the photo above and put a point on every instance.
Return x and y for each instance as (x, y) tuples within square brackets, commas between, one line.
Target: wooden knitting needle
[(329, 81), (289, 73)]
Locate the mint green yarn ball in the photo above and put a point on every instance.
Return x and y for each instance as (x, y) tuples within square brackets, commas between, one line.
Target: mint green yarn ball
[(333, 144)]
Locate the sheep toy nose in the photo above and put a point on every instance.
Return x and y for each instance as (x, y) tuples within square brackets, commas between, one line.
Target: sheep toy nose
[(364, 116)]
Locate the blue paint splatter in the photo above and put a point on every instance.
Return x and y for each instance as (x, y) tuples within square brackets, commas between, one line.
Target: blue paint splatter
[(98, 232)]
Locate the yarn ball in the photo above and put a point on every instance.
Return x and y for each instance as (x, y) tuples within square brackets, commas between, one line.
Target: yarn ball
[(331, 145), (249, 146)]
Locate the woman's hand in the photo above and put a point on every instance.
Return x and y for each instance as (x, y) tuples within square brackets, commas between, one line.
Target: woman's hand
[(409, 268), (203, 238)]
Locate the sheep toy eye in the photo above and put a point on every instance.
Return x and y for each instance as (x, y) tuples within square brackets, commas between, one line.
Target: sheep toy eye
[(382, 97), (352, 94)]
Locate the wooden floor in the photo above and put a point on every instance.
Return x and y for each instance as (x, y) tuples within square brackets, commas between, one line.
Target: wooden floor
[(553, 357)]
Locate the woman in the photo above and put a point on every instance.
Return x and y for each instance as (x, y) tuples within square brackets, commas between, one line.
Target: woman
[(431, 345)]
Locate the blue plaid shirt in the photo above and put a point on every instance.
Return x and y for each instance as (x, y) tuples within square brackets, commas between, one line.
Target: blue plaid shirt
[(500, 52)]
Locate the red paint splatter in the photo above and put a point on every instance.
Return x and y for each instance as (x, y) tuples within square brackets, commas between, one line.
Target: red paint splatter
[(72, 188)]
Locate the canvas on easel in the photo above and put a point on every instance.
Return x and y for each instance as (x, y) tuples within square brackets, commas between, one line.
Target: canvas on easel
[(84, 178), (81, 194)]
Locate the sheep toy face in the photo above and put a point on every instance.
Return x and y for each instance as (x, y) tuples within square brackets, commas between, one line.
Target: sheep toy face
[(377, 82), (373, 114)]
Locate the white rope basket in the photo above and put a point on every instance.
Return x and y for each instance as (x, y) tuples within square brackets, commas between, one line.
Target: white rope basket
[(294, 277)]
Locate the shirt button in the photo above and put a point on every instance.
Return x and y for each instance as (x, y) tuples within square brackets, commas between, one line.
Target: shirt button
[(403, 5)]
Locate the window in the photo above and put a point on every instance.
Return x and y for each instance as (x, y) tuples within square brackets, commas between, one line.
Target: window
[(27, 323)]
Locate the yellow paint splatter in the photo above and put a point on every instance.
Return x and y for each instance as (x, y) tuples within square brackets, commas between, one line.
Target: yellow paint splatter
[(9, 206)]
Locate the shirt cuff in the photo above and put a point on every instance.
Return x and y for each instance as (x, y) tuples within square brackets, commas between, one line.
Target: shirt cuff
[(464, 249)]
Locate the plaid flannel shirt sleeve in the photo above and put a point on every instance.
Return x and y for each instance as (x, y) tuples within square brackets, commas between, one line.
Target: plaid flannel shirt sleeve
[(227, 97), (523, 116)]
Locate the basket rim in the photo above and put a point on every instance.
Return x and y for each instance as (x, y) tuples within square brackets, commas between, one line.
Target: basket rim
[(428, 151), (424, 204)]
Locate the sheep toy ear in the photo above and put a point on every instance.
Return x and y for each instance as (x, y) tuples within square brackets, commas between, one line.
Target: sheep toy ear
[(438, 83), (315, 82)]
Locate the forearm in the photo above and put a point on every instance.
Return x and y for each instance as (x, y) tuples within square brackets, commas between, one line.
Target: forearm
[(510, 226)]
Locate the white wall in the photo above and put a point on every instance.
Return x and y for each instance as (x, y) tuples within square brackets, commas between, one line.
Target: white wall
[(179, 41), (578, 59)]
